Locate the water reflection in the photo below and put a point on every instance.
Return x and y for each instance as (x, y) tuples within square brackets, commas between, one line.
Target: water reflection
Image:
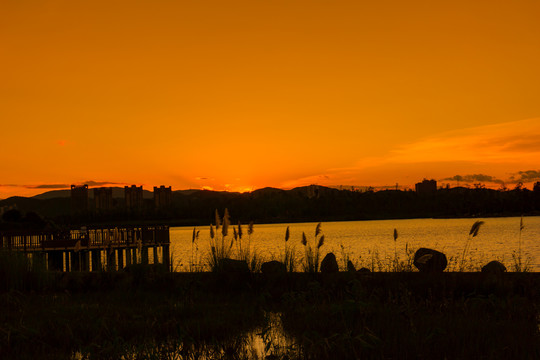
[(369, 243), (267, 341)]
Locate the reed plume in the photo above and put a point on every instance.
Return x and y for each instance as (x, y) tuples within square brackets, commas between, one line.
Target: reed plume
[(194, 238), (226, 223), (318, 229), (472, 233), (240, 233), (218, 220), (395, 250), (311, 258), (288, 257), (321, 242)]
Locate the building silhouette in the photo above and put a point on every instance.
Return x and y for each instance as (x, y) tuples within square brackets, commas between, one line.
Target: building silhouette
[(426, 187), (103, 199), (79, 198), (162, 197), (134, 198)]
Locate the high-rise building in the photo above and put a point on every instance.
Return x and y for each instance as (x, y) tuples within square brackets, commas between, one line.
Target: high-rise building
[(103, 199), (79, 198), (426, 187), (162, 197), (134, 197)]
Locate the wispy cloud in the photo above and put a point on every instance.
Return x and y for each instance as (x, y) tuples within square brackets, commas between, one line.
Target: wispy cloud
[(501, 150), (48, 186), (60, 186), (526, 176), (474, 178), (102, 183), (516, 141)]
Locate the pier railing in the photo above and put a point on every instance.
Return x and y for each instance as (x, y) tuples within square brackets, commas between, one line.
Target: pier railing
[(92, 249), (102, 238)]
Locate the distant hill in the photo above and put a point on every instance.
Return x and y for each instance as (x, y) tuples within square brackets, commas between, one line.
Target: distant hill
[(307, 203), (53, 194), (50, 207), (118, 192)]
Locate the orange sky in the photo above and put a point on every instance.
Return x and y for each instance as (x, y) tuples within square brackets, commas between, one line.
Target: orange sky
[(245, 94)]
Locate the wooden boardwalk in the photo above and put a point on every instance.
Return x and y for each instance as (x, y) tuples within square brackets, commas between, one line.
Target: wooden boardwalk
[(92, 249)]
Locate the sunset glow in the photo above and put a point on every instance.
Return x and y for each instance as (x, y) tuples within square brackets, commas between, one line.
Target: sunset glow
[(240, 95)]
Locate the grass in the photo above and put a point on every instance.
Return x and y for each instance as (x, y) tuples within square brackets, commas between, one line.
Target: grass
[(146, 314), (311, 260), (405, 318), (223, 246), (19, 271), (519, 264), (103, 324), (289, 254), (472, 233), (246, 252)]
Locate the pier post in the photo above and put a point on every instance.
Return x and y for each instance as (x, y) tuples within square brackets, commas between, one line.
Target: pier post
[(55, 260), (111, 260), (75, 260), (67, 263), (38, 260), (96, 260), (144, 255), (166, 256), (120, 253), (85, 261), (155, 255), (128, 256)]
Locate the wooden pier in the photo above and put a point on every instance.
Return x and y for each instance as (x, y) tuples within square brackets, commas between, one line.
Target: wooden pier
[(92, 249)]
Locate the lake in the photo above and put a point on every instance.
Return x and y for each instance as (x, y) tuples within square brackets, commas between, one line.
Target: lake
[(371, 243)]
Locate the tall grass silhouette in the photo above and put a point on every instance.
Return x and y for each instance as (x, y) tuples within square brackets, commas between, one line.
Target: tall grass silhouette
[(312, 251), (221, 248), (289, 254), (472, 233), (520, 265)]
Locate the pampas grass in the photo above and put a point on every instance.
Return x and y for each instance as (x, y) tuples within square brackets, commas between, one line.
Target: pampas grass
[(195, 262), (289, 254), (218, 248), (472, 233), (519, 265), (221, 247), (312, 254)]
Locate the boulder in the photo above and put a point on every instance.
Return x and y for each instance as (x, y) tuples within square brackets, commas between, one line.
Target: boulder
[(430, 261), (233, 266), (364, 270), (273, 267), (329, 264), (350, 266), (494, 267)]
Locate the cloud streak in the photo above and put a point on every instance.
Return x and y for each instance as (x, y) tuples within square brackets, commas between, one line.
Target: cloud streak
[(48, 186), (501, 150), (475, 178), (526, 176), (513, 142), (61, 186)]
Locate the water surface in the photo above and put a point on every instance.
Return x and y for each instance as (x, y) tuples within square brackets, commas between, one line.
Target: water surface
[(369, 242)]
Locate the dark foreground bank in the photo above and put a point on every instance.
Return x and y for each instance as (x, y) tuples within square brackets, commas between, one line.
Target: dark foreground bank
[(148, 314)]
